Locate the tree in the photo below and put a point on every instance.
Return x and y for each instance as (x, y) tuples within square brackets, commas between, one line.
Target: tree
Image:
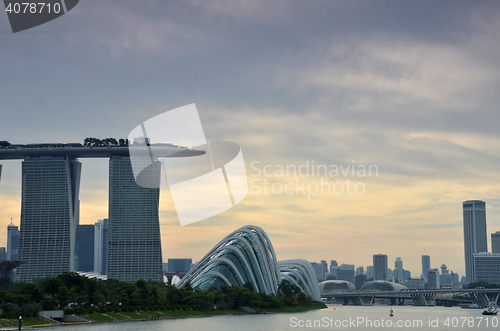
[(98, 298)]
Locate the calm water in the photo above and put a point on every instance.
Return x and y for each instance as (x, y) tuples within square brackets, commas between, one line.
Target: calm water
[(439, 317)]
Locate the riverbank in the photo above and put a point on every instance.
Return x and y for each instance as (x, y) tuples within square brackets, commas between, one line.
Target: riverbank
[(171, 314), (30, 322), (27, 322)]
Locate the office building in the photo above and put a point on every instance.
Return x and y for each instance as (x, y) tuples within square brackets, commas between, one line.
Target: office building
[(84, 248), (369, 272), (495, 242), (426, 265), (101, 247), (346, 272), (333, 268), (475, 238), (398, 272), (134, 244), (3, 254), (12, 242), (487, 267), (49, 216), (406, 274), (179, 265), (380, 267), (324, 264), (318, 270), (360, 271), (433, 279)]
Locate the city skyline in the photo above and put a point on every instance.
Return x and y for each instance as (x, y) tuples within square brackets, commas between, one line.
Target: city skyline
[(408, 87)]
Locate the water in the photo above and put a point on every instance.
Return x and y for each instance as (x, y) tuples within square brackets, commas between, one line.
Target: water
[(416, 318)]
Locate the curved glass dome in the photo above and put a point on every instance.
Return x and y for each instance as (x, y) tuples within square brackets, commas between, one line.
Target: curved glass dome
[(245, 255), (300, 273), (382, 285), (336, 286)]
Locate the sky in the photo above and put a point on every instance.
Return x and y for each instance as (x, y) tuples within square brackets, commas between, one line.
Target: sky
[(409, 88)]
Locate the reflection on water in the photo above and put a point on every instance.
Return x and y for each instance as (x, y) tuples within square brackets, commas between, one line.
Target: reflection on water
[(334, 318)]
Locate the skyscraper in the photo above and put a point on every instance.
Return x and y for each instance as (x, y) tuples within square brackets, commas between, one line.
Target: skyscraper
[(380, 267), (84, 248), (426, 265), (134, 244), (398, 269), (475, 238), (333, 268), (495, 242), (101, 247), (49, 216), (324, 264), (433, 279), (12, 242)]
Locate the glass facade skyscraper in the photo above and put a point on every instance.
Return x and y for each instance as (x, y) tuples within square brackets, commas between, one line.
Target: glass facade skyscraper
[(380, 267), (475, 237), (12, 242), (134, 244), (49, 216), (101, 247), (426, 265), (84, 248)]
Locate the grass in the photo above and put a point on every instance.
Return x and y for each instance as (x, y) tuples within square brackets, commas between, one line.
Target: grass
[(27, 321)]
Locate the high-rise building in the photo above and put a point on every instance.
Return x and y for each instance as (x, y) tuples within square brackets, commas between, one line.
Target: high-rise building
[(360, 271), (324, 264), (318, 270), (134, 243), (3, 254), (398, 270), (369, 272), (487, 267), (333, 268), (495, 242), (380, 267), (475, 238), (346, 272), (101, 247), (433, 279), (84, 248), (179, 265), (426, 265), (49, 216), (12, 242)]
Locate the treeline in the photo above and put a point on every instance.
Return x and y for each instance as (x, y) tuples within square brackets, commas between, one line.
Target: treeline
[(4, 143), (81, 295), (94, 142)]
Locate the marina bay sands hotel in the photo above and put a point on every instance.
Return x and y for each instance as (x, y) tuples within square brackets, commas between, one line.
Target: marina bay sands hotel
[(50, 211)]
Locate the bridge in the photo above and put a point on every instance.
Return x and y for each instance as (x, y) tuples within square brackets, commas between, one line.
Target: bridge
[(481, 297)]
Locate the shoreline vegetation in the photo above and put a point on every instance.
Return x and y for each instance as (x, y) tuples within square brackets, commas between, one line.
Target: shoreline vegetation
[(111, 300)]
